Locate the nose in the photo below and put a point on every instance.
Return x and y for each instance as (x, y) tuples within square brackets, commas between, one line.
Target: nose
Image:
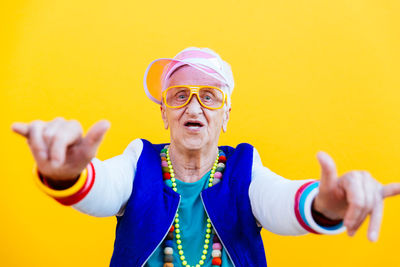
[(194, 105)]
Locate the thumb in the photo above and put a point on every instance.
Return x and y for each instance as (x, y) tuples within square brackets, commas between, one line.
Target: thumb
[(328, 170), (95, 135), (20, 128), (391, 190)]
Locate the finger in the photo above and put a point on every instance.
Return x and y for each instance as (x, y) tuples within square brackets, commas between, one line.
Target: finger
[(95, 135), (355, 213), (370, 189), (391, 190), (328, 170), (51, 129), (375, 219), (36, 142), (21, 128), (66, 135)]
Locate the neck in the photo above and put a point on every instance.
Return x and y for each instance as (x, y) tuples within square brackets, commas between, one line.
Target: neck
[(191, 165)]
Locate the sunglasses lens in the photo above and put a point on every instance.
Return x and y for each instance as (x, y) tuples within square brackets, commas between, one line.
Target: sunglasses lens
[(211, 97), (177, 96)]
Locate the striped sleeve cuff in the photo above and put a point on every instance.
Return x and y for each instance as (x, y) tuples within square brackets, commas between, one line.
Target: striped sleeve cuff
[(303, 211), (76, 192)]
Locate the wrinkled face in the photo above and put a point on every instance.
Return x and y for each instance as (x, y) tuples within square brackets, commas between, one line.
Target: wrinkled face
[(193, 126)]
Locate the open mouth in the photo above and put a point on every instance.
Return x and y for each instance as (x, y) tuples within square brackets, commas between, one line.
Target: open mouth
[(194, 124)]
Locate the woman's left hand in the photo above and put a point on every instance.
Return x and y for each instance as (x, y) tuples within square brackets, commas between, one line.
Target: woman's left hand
[(352, 197)]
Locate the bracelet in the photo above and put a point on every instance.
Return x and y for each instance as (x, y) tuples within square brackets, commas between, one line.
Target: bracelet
[(60, 193), (297, 209), (332, 230), (73, 199)]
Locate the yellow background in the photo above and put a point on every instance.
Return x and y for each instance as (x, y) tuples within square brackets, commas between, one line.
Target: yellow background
[(310, 75)]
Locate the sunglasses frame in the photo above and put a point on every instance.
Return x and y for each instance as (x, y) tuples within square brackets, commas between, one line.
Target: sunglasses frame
[(194, 90)]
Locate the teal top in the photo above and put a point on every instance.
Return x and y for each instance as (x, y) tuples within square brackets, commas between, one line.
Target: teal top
[(193, 225)]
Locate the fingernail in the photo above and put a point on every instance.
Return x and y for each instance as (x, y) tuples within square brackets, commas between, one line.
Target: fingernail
[(373, 236)]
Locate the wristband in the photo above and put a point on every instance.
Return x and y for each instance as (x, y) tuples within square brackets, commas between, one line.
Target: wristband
[(60, 193)]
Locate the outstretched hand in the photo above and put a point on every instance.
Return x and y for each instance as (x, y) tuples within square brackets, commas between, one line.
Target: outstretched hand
[(58, 147), (352, 197)]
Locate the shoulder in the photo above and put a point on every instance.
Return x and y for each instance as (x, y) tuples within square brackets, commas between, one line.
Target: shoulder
[(247, 152), (240, 150), (134, 147), (140, 147)]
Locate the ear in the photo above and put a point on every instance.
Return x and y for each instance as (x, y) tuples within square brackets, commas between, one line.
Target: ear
[(164, 115), (227, 112)]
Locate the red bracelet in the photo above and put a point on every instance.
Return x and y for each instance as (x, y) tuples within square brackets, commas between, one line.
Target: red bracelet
[(296, 207), (78, 196)]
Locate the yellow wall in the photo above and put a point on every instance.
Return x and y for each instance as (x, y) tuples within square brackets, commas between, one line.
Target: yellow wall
[(311, 75)]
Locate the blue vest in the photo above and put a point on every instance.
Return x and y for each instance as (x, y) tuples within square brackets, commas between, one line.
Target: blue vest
[(151, 209)]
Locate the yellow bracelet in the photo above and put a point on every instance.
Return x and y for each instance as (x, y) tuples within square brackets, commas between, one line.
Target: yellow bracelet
[(61, 193)]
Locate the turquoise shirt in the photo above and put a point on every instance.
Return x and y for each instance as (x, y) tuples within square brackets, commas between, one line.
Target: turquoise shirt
[(193, 225)]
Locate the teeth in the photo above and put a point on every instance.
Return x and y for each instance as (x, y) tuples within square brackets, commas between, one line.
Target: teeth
[(193, 126)]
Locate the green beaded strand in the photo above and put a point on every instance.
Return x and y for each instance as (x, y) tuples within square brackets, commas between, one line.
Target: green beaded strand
[(176, 220)]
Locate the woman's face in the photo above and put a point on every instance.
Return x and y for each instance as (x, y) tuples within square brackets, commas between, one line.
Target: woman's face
[(193, 126)]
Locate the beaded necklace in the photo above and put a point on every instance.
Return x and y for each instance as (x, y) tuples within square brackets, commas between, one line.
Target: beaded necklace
[(170, 180)]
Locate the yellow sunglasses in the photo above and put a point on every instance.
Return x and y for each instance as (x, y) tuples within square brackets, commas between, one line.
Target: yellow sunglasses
[(178, 96)]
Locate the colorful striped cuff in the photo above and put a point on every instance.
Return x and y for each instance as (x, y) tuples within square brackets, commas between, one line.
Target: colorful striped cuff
[(303, 210)]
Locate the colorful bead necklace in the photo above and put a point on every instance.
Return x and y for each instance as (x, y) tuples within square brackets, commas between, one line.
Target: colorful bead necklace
[(170, 180)]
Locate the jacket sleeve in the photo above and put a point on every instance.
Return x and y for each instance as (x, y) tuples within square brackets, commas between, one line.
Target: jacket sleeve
[(283, 206), (113, 180), (272, 199)]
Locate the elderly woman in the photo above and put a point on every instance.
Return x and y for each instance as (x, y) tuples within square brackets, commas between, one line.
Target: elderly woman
[(190, 202)]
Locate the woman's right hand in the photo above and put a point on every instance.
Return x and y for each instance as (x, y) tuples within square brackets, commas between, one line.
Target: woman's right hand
[(58, 147)]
